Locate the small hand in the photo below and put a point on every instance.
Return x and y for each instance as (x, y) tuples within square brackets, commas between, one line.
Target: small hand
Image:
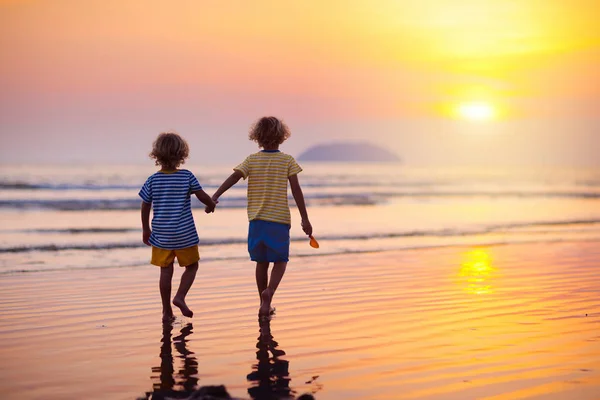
[(209, 209), (307, 227), (146, 236)]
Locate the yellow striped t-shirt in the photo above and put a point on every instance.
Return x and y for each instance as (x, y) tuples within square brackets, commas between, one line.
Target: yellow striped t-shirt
[(268, 172)]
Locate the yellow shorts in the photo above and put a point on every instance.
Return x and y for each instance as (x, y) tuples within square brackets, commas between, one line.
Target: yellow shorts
[(164, 257)]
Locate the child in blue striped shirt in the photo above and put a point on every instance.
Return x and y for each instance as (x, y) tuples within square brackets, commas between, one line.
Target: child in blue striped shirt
[(173, 233)]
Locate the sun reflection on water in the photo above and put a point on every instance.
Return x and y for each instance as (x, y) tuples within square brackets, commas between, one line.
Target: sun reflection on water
[(476, 272)]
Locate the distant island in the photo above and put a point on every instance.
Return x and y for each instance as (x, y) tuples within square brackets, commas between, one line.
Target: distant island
[(345, 151)]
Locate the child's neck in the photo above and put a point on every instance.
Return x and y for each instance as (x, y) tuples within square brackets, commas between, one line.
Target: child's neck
[(273, 148)]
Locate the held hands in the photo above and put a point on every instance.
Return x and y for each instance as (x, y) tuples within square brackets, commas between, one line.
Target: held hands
[(210, 209), (307, 227), (146, 236)]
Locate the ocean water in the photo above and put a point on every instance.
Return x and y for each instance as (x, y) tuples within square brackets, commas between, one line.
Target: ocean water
[(78, 217)]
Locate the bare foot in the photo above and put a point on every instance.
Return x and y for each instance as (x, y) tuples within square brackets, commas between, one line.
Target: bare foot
[(183, 307), (168, 317), (265, 305)]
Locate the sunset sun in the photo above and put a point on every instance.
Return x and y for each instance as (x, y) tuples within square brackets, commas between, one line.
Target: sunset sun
[(476, 111)]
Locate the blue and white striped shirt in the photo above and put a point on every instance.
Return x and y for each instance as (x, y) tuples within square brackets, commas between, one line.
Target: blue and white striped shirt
[(172, 221)]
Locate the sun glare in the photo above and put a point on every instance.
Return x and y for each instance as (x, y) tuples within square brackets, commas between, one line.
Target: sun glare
[(477, 271), (476, 111)]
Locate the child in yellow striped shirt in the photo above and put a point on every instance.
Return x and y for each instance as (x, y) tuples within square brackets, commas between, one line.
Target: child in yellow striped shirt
[(268, 172)]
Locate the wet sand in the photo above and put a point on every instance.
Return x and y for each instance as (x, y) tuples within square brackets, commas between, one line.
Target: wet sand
[(500, 322)]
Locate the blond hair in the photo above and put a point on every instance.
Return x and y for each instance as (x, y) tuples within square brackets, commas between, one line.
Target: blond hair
[(169, 150), (269, 132)]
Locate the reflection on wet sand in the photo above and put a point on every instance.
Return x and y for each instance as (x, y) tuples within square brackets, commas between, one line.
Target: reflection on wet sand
[(270, 376), (165, 381), (477, 272)]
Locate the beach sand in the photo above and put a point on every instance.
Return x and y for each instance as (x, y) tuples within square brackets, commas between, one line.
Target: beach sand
[(498, 322)]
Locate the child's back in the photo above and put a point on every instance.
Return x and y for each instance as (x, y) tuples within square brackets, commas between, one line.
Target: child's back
[(172, 223), (268, 172)]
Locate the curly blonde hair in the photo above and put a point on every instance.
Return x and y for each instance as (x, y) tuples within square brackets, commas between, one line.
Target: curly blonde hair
[(269, 132), (169, 150)]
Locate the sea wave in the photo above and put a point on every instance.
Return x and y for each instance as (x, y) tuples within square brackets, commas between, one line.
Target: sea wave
[(62, 187), (331, 199), (92, 186), (491, 243), (330, 181), (489, 229), (134, 203), (78, 231)]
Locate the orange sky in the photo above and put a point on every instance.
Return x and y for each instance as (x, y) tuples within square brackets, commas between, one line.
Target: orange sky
[(124, 70)]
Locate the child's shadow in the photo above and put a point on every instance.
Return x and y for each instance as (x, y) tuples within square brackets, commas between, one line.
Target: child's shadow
[(166, 382), (270, 376)]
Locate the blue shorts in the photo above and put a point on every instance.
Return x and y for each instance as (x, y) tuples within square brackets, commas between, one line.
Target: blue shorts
[(268, 241)]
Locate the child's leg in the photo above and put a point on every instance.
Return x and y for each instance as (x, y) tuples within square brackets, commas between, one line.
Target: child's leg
[(166, 273), (187, 278), (267, 294), (262, 277), (276, 275)]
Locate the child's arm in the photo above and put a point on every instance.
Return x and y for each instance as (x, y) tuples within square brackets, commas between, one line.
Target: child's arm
[(299, 197), (206, 199), (229, 182), (146, 231)]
